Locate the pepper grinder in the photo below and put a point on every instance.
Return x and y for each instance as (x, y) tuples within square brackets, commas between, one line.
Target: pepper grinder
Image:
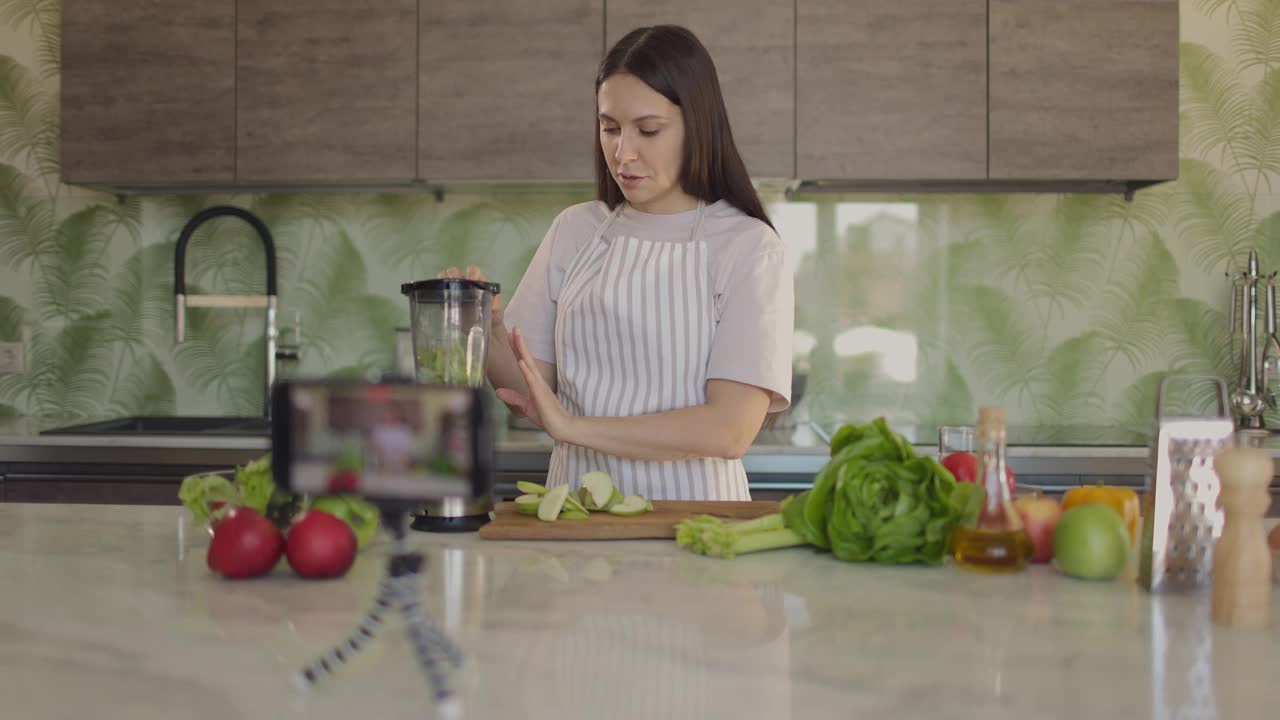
[(1241, 558)]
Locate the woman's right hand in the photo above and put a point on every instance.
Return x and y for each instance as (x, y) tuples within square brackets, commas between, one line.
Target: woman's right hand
[(497, 329)]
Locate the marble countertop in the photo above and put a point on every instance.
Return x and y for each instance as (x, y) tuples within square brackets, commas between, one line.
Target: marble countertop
[(783, 458), (110, 612)]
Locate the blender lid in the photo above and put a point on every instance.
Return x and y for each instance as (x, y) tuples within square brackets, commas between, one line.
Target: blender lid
[(441, 284)]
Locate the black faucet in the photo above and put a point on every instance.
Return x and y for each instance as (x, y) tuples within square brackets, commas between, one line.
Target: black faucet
[(268, 301)]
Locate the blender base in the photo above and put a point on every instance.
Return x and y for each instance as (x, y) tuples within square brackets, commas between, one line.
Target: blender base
[(447, 524)]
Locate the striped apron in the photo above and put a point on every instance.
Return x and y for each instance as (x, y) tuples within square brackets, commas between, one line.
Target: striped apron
[(633, 334)]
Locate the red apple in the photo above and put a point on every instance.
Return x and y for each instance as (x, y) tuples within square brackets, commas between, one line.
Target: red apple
[(245, 544), (964, 466), (320, 545), (1039, 515), (1274, 538)]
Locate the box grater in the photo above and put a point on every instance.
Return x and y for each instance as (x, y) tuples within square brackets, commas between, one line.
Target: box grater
[(1181, 519)]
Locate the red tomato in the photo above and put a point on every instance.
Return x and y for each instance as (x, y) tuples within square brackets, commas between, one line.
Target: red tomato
[(964, 465), (245, 544), (320, 545)]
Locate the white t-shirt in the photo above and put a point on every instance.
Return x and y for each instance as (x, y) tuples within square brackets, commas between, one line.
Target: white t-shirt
[(722, 306), (753, 288)]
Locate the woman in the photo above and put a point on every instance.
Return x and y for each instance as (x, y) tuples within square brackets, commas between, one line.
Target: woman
[(651, 333)]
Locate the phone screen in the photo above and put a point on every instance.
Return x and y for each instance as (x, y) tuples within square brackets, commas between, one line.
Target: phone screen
[(389, 441)]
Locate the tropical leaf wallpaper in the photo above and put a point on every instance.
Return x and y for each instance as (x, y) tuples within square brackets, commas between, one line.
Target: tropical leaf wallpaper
[(1067, 309)]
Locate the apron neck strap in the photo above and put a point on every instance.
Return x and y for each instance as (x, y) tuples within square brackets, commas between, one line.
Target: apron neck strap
[(697, 221)]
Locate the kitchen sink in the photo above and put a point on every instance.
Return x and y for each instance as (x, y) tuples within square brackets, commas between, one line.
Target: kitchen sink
[(170, 425)]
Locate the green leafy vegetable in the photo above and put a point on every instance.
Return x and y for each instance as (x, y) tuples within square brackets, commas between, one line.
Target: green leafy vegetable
[(199, 492), (256, 484), (253, 487), (873, 501)]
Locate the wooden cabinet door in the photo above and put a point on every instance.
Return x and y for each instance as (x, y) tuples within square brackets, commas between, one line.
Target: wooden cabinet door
[(326, 91), (891, 89), (148, 91), (1084, 90), (506, 89), (752, 43)]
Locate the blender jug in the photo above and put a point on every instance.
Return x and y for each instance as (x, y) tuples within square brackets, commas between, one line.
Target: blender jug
[(449, 331), (449, 324)]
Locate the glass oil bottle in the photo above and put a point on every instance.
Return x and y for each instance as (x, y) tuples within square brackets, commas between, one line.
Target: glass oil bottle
[(996, 541)]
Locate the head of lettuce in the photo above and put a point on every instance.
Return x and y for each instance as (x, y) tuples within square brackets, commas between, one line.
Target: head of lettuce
[(875, 500)]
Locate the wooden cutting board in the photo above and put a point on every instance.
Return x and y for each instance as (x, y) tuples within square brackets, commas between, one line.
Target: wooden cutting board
[(507, 524)]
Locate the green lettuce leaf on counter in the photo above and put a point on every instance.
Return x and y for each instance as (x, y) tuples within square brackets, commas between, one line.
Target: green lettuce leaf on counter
[(198, 493), (873, 501), (897, 512), (257, 486)]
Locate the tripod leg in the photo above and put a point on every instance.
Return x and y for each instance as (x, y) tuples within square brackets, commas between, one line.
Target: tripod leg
[(422, 626), (341, 653)]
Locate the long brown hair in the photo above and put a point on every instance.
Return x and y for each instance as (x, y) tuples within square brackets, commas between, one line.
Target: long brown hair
[(671, 60)]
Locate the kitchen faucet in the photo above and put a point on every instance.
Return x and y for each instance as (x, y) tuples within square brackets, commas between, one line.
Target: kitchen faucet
[(268, 301)]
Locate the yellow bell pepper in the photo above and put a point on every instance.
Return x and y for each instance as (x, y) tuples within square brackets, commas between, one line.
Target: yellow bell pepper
[(1121, 499)]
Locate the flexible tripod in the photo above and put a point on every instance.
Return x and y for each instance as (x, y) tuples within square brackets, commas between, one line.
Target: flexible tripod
[(398, 591)]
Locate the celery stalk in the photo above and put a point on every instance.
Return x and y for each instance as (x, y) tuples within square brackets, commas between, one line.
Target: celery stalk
[(708, 535)]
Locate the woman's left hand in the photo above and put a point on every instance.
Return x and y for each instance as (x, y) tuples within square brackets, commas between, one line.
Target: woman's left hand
[(541, 404)]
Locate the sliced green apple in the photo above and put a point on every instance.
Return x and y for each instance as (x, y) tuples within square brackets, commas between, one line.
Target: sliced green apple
[(549, 508), (631, 505), (569, 513), (528, 504), (597, 489), (571, 502), (529, 488)]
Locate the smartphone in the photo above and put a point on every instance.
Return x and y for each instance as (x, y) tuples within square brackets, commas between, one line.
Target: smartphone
[(396, 441)]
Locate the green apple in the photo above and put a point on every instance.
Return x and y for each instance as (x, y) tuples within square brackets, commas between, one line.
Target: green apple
[(1091, 542), (363, 517)]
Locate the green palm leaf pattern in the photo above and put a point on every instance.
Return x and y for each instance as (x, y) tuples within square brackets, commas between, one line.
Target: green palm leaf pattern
[(75, 282), (12, 317), (941, 394), (142, 304), (1071, 370), (28, 119), (1212, 6), (144, 389), (1214, 224), (1001, 337), (1131, 316), (26, 220), (1197, 342), (1064, 261), (293, 219), (43, 19), (1199, 339), (1136, 406), (399, 224), (1261, 143), (1257, 34), (9, 412), (71, 368), (1215, 110), (342, 321), (223, 355)]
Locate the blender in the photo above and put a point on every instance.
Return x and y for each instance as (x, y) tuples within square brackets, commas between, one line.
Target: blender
[(449, 328)]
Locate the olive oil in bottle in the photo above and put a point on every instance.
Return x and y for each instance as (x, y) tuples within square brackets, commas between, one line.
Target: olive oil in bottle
[(996, 542)]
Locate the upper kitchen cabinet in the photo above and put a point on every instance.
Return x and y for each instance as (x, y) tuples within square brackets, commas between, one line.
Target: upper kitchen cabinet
[(148, 91), (506, 89), (326, 91), (1085, 90), (752, 43), (891, 89)]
